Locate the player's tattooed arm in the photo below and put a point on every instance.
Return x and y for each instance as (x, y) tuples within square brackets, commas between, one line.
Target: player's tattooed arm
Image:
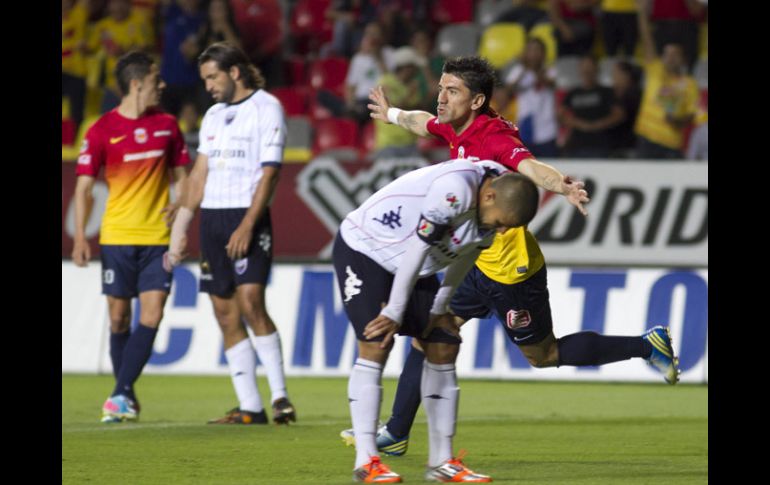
[(549, 178)]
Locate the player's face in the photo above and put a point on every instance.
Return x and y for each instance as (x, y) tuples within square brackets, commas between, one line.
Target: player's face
[(151, 88), (455, 101), (219, 83), (493, 217)]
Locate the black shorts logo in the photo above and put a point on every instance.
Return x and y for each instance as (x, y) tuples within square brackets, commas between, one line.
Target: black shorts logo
[(517, 319)]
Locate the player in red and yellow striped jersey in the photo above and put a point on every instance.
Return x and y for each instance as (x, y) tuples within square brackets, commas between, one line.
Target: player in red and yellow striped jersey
[(138, 146)]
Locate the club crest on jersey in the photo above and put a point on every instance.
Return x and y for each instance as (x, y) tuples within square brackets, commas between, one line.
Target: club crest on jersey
[(425, 227), (241, 265), (451, 200), (229, 117), (461, 152), (517, 319), (140, 135), (390, 218)]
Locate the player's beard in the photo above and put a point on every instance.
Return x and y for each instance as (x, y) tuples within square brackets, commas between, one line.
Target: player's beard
[(228, 93)]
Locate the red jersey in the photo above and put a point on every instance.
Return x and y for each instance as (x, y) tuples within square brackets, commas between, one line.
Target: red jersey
[(136, 155), (486, 138), (514, 255)]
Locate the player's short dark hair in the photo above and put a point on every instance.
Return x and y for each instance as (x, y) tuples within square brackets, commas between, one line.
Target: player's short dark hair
[(226, 56), (130, 66), (518, 195), (476, 73)]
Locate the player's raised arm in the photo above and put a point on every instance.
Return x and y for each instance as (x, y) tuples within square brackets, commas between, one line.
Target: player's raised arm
[(549, 178), (415, 121)]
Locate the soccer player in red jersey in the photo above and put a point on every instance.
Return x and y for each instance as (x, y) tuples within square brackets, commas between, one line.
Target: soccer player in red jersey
[(139, 147)]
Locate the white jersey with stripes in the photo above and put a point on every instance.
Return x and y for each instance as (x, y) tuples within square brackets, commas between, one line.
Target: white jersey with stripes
[(238, 139)]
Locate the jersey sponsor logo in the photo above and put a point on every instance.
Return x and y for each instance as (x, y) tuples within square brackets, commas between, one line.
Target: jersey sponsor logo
[(241, 265), (228, 153), (452, 201), (517, 319), (84, 159), (116, 139), (247, 139), (390, 218), (209, 138), (140, 135), (229, 117), (132, 157), (425, 227), (162, 133), (84, 146), (352, 284)]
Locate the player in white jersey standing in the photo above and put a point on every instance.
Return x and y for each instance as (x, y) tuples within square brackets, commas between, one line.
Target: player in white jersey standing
[(239, 157), (386, 256)]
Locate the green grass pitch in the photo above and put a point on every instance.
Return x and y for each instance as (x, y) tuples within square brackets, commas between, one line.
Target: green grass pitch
[(517, 432)]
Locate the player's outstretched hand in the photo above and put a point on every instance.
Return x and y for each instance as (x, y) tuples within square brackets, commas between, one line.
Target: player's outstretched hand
[(575, 193), (382, 325), (379, 104)]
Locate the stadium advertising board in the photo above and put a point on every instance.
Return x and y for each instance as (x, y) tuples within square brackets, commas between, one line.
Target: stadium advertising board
[(318, 340), (641, 213)]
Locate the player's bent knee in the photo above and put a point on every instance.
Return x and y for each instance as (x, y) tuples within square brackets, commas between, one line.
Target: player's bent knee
[(440, 352), (541, 362)]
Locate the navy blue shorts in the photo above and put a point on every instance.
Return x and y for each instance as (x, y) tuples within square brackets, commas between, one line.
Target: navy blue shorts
[(220, 275), (523, 308), (365, 286), (130, 270)]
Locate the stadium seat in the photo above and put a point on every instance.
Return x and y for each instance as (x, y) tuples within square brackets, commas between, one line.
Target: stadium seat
[(259, 25), (329, 74), (452, 12), (299, 139), (294, 99), (701, 73), (458, 40), (70, 153), (309, 26), (316, 110), (336, 137), (502, 42), (68, 131), (295, 68), (567, 72), (488, 11), (544, 32)]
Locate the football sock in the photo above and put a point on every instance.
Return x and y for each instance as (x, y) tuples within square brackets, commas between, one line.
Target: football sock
[(365, 396), (117, 345), (591, 348), (136, 353), (407, 399), (243, 371), (268, 349), (440, 396)]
